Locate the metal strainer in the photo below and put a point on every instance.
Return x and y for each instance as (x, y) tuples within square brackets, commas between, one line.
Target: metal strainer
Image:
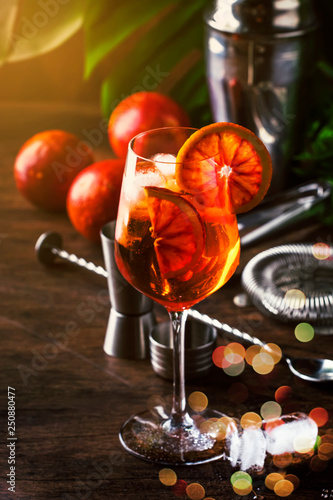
[(293, 283)]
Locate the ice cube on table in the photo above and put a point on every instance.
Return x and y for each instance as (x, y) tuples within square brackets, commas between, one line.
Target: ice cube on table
[(166, 163), (234, 444), (287, 434), (253, 449), (248, 449), (286, 437)]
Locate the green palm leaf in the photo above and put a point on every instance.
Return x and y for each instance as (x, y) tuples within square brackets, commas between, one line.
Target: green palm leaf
[(110, 25), (153, 46)]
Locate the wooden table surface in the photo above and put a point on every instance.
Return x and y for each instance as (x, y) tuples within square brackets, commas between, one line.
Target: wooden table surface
[(70, 396)]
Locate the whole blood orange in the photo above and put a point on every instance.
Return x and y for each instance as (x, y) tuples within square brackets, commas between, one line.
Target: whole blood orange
[(46, 165), (140, 112), (93, 197), (228, 159)]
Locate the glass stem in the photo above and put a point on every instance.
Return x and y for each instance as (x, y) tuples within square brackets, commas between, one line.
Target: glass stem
[(179, 415)]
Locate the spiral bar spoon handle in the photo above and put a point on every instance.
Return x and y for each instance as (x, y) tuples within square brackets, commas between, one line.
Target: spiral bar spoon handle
[(49, 247), (80, 261)]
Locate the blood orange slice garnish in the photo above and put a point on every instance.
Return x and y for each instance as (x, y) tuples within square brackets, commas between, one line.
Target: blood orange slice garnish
[(177, 230), (228, 157)]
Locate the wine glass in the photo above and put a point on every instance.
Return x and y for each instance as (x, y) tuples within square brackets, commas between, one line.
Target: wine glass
[(176, 248)]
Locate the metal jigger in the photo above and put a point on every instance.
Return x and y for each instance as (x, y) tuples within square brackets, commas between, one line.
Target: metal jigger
[(131, 316)]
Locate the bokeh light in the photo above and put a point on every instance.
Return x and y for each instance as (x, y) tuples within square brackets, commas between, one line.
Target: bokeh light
[(218, 356), (263, 363), (198, 401), (179, 489), (273, 350), (205, 426), (242, 487), (272, 479), (230, 424), (241, 300), (195, 491), (319, 415), (241, 482), (317, 464), (251, 420), (295, 299), (233, 370), (282, 461), (240, 475), (283, 394), (293, 479), (304, 332), (251, 352), (321, 251), (326, 438), (303, 444), (168, 477), (238, 392), (234, 353), (325, 452), (215, 428), (283, 488), (270, 409), (230, 358), (220, 430)]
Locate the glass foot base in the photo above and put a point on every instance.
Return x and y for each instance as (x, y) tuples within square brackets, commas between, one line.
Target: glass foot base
[(203, 437)]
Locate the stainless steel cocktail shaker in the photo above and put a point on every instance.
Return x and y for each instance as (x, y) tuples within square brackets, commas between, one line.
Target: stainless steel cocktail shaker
[(259, 58)]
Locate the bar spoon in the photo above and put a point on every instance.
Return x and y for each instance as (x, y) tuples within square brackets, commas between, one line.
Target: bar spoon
[(48, 248), (310, 369)]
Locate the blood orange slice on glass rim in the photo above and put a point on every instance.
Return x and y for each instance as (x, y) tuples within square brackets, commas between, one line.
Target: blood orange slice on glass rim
[(177, 230), (228, 157)]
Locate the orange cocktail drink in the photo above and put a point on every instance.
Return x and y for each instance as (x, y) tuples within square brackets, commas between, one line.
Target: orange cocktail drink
[(177, 242), (172, 246)]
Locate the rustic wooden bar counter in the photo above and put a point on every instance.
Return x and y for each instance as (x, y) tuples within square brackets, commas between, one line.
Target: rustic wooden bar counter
[(71, 397)]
